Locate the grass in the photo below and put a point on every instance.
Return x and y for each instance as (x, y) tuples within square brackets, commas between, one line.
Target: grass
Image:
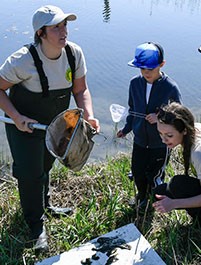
[(99, 195)]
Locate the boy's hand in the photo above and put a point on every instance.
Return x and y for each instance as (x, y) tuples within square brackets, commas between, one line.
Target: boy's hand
[(120, 134), (151, 118)]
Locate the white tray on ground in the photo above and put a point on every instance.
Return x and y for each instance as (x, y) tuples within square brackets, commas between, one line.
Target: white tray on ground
[(139, 251)]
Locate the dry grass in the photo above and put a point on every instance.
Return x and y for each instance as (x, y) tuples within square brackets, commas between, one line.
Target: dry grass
[(99, 195)]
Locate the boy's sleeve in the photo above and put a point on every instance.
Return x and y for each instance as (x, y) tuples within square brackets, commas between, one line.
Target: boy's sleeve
[(129, 119), (128, 126), (176, 94)]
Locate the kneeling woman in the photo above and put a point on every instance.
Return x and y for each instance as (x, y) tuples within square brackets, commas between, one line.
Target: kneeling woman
[(176, 127)]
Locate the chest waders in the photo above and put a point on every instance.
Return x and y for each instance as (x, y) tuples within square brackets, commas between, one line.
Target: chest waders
[(31, 159)]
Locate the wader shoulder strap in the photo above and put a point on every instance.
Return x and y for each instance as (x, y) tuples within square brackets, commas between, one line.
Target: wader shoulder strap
[(39, 66), (71, 60)]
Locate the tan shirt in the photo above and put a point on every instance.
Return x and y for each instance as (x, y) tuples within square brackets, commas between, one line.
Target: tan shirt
[(19, 68)]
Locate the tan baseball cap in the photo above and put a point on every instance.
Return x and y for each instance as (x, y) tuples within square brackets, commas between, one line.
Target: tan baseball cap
[(48, 16)]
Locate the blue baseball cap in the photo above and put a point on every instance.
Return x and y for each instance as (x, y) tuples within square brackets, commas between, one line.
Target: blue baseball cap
[(147, 56)]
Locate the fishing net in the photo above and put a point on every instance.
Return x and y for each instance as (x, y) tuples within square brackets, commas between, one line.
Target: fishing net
[(118, 112), (69, 138)]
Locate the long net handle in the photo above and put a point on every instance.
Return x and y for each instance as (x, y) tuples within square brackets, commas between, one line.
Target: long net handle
[(30, 125)]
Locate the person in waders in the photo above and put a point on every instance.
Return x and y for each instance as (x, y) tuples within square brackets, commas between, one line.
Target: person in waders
[(41, 77)]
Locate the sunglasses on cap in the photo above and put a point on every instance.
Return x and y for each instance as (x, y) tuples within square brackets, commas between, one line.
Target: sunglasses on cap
[(165, 116)]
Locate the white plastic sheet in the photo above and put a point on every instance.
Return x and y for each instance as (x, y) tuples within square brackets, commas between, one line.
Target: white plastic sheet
[(140, 251)]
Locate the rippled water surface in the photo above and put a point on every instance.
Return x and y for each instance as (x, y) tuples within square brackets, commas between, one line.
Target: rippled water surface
[(108, 32)]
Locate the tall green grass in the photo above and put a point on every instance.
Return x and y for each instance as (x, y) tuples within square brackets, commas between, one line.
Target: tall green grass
[(99, 195)]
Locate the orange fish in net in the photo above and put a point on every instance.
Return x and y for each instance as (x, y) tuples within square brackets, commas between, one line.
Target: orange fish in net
[(69, 138)]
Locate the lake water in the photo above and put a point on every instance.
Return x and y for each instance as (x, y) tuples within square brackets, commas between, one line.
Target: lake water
[(108, 32)]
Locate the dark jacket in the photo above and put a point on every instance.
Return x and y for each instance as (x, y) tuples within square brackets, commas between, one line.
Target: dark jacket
[(163, 90)]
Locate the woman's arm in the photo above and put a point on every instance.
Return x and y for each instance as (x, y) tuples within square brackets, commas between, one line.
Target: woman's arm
[(166, 204), (83, 100), (6, 105)]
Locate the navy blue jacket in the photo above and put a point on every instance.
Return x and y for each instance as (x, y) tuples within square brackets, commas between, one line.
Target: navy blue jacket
[(163, 90)]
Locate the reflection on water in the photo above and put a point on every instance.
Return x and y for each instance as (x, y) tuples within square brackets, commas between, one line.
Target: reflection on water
[(106, 11), (192, 5)]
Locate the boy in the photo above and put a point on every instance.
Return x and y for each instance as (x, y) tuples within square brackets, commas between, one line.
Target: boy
[(147, 92)]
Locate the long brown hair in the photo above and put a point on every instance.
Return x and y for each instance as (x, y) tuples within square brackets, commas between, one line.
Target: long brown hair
[(181, 119)]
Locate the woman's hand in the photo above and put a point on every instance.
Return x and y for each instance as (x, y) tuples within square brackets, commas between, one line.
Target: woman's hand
[(22, 123), (94, 123), (164, 204)]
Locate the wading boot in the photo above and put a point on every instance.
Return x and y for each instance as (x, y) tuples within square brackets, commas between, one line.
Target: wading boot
[(56, 211)]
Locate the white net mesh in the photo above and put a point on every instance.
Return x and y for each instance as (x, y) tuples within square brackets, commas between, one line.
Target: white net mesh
[(118, 112)]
